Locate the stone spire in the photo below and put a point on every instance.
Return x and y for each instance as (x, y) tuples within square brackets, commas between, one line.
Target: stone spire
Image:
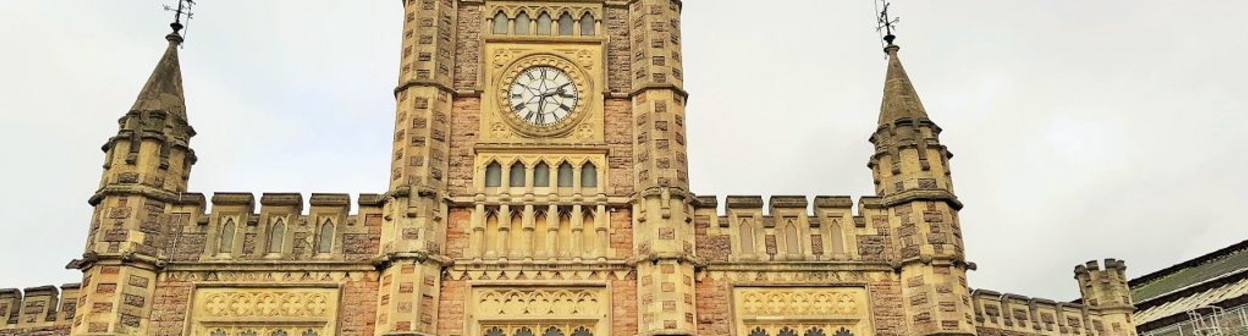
[(163, 91), (900, 99)]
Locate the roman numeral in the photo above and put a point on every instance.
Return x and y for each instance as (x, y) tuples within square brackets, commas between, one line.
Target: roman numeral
[(529, 117), (530, 74), (541, 119), (565, 107), (517, 96), (519, 107)]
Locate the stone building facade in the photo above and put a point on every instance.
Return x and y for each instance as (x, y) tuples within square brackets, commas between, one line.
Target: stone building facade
[(539, 185)]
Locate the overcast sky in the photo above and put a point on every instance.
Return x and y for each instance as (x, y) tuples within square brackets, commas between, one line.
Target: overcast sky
[(1082, 129)]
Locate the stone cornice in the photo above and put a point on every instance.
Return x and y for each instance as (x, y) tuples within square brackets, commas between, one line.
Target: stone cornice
[(127, 190), (911, 195)]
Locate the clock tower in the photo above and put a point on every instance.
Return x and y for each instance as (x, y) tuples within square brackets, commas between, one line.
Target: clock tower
[(539, 154)]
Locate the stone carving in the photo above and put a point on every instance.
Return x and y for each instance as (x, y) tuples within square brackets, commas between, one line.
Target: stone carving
[(799, 302), (541, 302), (265, 304), (502, 57)]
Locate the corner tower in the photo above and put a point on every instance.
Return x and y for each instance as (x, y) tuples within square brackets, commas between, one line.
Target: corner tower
[(912, 177), (146, 167), (1107, 291)]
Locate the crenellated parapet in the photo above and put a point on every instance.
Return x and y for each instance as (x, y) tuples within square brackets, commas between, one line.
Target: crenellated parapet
[(44, 310), (792, 228), (280, 226)]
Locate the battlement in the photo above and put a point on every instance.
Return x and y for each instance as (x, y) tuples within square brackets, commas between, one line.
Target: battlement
[(230, 226), (1104, 285), (36, 309), (783, 205), (1018, 313), (1091, 266), (792, 228)]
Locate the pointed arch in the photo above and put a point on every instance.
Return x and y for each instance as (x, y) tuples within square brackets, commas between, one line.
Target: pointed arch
[(543, 24), (747, 237), (541, 175), (277, 235), (567, 25), (786, 331), (226, 242), (524, 331), (325, 237), (589, 234), (791, 240), (493, 175), (523, 25), (517, 174), (589, 175), (838, 237), (491, 232), (565, 175), (501, 23), (587, 25)]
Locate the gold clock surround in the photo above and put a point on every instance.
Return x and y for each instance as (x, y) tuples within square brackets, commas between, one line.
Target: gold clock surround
[(579, 76)]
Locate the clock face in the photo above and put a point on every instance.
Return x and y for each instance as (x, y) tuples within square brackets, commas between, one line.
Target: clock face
[(543, 96)]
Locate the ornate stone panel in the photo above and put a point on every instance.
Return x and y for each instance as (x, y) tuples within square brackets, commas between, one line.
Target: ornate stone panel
[(801, 310), (517, 309), (264, 311)]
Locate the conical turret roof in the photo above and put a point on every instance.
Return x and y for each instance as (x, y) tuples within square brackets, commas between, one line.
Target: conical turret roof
[(163, 91), (901, 101)]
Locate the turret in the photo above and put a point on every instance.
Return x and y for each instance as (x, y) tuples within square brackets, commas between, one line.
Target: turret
[(1105, 290), (146, 168), (912, 178)]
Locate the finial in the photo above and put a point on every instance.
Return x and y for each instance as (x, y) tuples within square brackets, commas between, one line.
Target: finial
[(180, 13), (886, 23)]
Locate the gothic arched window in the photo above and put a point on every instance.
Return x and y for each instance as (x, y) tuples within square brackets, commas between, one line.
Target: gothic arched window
[(589, 175), (587, 25), (553, 331), (495, 331), (248, 333), (815, 331), (543, 24), (217, 332), (524, 331), (786, 331), (565, 175), (279, 332), (325, 242), (493, 175), (843, 332), (522, 24), (582, 331), (227, 237), (276, 235), (517, 175), (500, 23), (310, 332), (541, 175), (567, 25), (758, 332)]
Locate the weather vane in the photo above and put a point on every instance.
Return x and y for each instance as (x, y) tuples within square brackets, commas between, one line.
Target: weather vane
[(886, 22), (180, 13)]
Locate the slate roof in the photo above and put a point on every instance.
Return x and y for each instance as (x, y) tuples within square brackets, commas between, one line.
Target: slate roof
[(1227, 260), (1219, 278)]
